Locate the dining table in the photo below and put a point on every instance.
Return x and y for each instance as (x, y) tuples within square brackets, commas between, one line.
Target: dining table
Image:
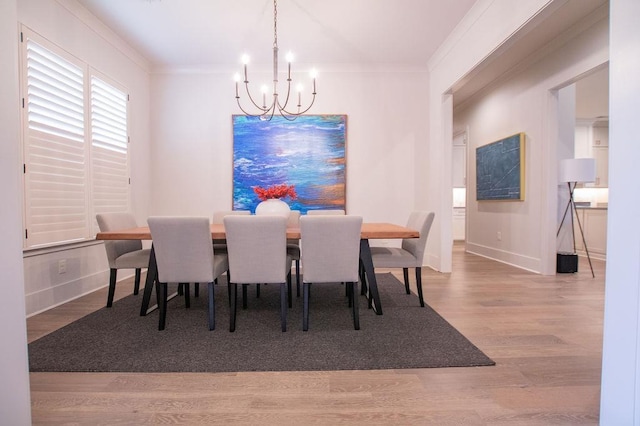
[(369, 231)]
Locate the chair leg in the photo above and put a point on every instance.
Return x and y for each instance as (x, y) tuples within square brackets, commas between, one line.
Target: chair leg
[(289, 297), (196, 289), (233, 288), (257, 291), (212, 308), (419, 284), (112, 286), (180, 289), (305, 306), (161, 289), (244, 296), (405, 272), (297, 278), (356, 313), (283, 305), (187, 296), (136, 286)]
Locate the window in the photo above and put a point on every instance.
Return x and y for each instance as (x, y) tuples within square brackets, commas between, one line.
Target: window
[(75, 136)]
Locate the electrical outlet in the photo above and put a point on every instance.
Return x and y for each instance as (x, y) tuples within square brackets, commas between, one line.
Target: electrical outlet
[(62, 266), (499, 236)]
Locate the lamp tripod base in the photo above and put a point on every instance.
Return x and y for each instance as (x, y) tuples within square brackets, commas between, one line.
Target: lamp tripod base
[(571, 209)]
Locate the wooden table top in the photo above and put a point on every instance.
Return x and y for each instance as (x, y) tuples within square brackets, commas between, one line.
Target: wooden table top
[(369, 231)]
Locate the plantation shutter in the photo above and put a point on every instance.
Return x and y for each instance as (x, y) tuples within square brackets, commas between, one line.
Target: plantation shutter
[(109, 138), (56, 190), (75, 139)]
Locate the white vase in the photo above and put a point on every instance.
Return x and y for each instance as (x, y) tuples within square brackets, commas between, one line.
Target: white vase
[(273, 207)]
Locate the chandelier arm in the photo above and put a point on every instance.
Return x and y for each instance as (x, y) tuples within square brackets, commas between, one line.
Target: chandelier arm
[(246, 85), (300, 112), (263, 111), (286, 100), (247, 113), (288, 117)]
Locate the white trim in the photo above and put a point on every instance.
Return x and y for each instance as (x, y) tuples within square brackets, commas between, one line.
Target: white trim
[(516, 260)]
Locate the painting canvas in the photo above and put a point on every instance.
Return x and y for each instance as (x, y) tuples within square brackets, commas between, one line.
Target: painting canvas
[(308, 153), (500, 169)]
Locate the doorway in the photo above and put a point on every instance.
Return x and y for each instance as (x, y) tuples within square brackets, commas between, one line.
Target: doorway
[(590, 127), (459, 168)]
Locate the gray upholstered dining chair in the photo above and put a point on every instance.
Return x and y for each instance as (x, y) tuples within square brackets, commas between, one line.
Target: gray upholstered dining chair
[(257, 250), (410, 254), (122, 254), (330, 254), (326, 212), (184, 254), (220, 246)]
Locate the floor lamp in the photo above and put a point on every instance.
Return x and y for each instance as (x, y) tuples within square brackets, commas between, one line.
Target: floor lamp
[(574, 171)]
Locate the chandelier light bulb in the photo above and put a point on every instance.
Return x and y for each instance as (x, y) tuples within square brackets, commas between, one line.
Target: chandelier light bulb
[(289, 57), (245, 59)]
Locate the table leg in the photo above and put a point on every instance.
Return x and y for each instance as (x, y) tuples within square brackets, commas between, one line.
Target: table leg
[(152, 274), (365, 257)]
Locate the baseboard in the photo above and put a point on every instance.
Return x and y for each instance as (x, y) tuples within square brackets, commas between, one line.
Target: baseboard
[(45, 299), (513, 259)]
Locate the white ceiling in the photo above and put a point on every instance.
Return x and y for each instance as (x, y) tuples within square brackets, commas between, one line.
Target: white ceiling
[(323, 33)]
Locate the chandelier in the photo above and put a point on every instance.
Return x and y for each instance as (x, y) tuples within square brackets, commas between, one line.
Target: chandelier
[(266, 111)]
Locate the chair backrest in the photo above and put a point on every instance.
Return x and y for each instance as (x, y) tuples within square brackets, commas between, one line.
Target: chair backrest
[(330, 248), (116, 222), (219, 215), (183, 249), (325, 212), (294, 219), (257, 248), (420, 221)]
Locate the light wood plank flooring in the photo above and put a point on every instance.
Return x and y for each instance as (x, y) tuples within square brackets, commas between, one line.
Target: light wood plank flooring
[(545, 334)]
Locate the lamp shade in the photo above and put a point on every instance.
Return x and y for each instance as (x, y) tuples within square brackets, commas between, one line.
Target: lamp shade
[(577, 170)]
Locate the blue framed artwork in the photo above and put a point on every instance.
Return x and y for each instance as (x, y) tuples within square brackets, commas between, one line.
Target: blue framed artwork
[(500, 169), (308, 153)]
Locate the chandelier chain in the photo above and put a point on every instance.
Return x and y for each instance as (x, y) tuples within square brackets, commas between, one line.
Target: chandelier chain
[(275, 23)]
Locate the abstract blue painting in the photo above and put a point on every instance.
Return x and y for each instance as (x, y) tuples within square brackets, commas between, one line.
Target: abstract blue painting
[(308, 153), (500, 169)]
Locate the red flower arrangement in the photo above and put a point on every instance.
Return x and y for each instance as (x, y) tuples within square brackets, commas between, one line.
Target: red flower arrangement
[(276, 191)]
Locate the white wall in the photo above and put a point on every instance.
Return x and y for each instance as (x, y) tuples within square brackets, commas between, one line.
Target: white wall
[(15, 407), (620, 400), (488, 25), (523, 104), (193, 139), (70, 27)]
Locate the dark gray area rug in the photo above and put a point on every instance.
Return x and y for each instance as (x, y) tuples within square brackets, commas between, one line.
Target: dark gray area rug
[(117, 339)]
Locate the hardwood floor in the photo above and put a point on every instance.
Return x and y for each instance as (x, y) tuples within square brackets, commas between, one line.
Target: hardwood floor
[(545, 334)]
